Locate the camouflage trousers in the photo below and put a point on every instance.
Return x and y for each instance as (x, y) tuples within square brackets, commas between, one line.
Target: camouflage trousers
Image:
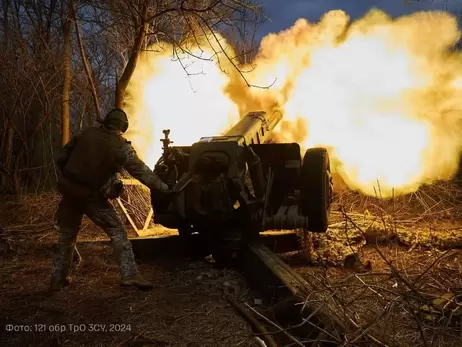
[(102, 213)]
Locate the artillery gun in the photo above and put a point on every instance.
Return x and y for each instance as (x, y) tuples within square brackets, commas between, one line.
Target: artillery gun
[(230, 188)]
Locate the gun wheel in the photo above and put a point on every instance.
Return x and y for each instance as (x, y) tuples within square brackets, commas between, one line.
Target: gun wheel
[(316, 189)]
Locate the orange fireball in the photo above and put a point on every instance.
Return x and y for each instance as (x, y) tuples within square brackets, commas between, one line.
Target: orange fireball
[(383, 95)]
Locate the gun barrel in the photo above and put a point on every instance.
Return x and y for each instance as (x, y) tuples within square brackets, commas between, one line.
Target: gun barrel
[(256, 127)]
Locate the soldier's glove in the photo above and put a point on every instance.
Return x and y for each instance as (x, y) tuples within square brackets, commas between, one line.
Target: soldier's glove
[(157, 185), (161, 170)]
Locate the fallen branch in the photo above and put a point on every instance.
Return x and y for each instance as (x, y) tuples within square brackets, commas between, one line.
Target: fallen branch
[(292, 338), (393, 269), (256, 326)]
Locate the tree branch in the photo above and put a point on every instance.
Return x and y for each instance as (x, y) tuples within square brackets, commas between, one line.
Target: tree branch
[(86, 64)]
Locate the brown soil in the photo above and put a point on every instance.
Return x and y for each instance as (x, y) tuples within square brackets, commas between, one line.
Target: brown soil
[(388, 290), (185, 308)]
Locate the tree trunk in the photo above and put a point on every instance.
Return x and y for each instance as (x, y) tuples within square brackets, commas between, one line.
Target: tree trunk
[(8, 129), (85, 63), (15, 176), (84, 109), (8, 152), (65, 111), (6, 23), (122, 84), (9, 144)]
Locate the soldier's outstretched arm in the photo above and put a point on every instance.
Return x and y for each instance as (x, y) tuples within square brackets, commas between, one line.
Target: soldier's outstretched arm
[(139, 170)]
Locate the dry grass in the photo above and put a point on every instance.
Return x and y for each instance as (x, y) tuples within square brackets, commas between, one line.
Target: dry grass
[(137, 201), (392, 267), (391, 302), (441, 201), (185, 308), (35, 218)]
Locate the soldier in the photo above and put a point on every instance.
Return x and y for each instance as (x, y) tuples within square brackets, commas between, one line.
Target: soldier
[(87, 180)]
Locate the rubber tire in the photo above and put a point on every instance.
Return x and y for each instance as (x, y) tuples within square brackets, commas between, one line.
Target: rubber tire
[(316, 189)]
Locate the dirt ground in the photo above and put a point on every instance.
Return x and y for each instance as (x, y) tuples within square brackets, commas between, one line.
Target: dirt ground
[(400, 296), (388, 290), (185, 308)]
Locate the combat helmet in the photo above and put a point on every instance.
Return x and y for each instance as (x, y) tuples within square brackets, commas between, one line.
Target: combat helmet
[(116, 119)]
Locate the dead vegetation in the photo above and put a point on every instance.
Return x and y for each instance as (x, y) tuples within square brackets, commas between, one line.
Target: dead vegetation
[(430, 217), (185, 308), (392, 267)]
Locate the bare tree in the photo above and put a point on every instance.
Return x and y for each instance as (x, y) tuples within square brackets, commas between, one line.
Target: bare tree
[(49, 90), (139, 24), (85, 63), (65, 113), (29, 78)]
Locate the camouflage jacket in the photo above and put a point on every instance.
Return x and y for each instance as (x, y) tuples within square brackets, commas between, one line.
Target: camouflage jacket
[(131, 163)]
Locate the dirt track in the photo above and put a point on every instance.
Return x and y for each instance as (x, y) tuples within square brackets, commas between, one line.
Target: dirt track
[(185, 308)]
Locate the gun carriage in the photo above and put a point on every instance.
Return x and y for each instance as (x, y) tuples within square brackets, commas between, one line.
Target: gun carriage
[(230, 188)]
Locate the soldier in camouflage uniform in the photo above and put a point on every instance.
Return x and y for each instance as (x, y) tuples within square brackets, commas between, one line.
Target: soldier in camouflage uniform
[(87, 180)]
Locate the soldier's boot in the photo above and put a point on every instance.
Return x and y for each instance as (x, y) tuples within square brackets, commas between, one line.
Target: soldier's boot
[(61, 267), (136, 280), (129, 273)]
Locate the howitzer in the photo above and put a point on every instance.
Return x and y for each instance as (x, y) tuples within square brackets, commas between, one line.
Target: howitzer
[(230, 188)]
